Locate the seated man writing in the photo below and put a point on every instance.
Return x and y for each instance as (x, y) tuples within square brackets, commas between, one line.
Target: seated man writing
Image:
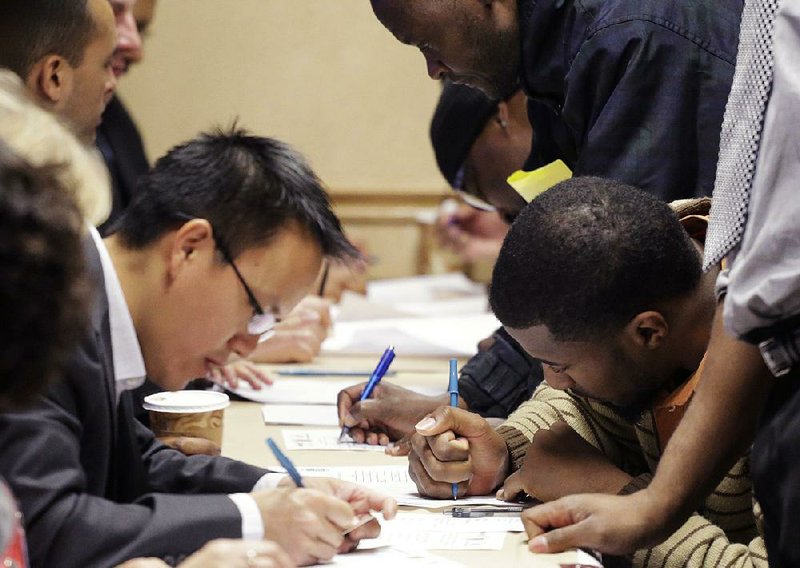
[(226, 234), (602, 284)]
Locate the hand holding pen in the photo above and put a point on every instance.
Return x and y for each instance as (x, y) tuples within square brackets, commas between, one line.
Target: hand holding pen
[(452, 445), (360, 524), (379, 372)]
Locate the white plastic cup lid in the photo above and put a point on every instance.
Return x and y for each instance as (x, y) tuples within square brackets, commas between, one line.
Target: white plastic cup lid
[(186, 401)]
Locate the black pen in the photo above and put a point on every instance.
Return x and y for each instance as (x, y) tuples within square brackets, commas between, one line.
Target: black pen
[(475, 512)]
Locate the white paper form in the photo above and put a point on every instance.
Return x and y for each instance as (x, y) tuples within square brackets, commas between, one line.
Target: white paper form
[(439, 540), (395, 482), (450, 336), (295, 390), (300, 414), (426, 522), (322, 439), (427, 288), (389, 557)]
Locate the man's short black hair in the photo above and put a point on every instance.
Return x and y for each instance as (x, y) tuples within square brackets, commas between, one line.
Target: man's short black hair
[(31, 29), (587, 255), (43, 292), (247, 187)]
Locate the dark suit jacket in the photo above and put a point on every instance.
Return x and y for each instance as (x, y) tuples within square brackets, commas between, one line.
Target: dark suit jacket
[(120, 143), (94, 485)]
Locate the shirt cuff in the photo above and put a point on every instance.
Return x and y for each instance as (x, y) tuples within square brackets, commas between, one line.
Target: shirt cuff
[(252, 523), (269, 480)]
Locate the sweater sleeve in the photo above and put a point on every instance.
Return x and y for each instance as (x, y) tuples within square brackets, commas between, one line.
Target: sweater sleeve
[(595, 422)]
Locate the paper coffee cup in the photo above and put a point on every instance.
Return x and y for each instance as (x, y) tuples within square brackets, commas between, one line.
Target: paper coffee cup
[(189, 413)]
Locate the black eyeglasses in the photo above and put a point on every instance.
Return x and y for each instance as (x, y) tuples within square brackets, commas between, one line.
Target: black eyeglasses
[(261, 322), (465, 187)]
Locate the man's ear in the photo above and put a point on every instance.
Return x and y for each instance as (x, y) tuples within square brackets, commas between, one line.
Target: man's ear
[(51, 79), (193, 240), (502, 115), (648, 329)]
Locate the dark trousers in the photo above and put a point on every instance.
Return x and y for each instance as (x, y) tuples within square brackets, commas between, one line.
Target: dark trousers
[(775, 467)]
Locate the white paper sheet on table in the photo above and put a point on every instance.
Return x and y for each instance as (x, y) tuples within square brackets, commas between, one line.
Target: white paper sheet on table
[(450, 336), (395, 481), (403, 535), (294, 390), (322, 439), (425, 522), (390, 557), (428, 288), (300, 414)]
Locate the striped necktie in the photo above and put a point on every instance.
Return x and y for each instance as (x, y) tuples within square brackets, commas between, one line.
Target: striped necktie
[(741, 130)]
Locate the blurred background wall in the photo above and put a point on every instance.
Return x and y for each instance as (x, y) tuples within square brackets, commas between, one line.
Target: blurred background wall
[(323, 75)]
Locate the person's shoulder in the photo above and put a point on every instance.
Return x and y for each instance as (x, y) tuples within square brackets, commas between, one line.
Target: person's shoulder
[(710, 25)]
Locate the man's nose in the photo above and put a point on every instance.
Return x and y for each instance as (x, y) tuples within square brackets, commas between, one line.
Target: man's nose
[(436, 69), (128, 38), (243, 343), (559, 381)]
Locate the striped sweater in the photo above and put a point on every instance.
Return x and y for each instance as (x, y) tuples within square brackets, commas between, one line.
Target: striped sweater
[(723, 533)]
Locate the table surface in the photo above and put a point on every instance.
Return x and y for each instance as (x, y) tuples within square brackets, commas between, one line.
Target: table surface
[(244, 434)]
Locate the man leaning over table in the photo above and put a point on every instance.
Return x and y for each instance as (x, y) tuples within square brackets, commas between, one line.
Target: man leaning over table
[(227, 234), (622, 348)]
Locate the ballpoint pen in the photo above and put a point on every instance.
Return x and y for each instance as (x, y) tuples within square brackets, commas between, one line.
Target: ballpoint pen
[(475, 512), (309, 372), (324, 279), (453, 390), (380, 370), (285, 462), (291, 470)]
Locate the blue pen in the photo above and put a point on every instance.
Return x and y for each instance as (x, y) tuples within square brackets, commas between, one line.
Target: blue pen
[(306, 372), (383, 366), (452, 388), (285, 462)]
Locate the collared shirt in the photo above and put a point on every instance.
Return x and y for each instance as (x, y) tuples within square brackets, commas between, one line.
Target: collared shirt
[(763, 283), (130, 372)]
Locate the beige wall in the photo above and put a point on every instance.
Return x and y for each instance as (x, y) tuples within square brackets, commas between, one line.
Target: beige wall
[(323, 75)]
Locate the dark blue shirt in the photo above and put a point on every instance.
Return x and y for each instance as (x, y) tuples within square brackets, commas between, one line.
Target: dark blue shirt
[(632, 90)]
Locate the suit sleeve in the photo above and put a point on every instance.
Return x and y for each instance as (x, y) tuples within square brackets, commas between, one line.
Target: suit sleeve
[(84, 509)]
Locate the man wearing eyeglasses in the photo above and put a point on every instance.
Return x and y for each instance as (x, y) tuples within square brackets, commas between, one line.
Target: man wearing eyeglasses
[(226, 234)]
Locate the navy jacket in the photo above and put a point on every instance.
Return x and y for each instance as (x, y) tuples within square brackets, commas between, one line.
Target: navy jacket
[(632, 90)]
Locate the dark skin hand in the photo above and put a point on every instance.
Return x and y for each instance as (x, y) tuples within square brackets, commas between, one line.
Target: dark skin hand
[(453, 445), (559, 462), (389, 415)]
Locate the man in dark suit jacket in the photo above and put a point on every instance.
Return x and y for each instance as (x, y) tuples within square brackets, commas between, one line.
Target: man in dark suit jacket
[(118, 137), (121, 146), (199, 269)]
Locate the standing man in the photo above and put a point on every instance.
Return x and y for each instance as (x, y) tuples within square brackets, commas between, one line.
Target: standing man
[(633, 91), (750, 390)]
